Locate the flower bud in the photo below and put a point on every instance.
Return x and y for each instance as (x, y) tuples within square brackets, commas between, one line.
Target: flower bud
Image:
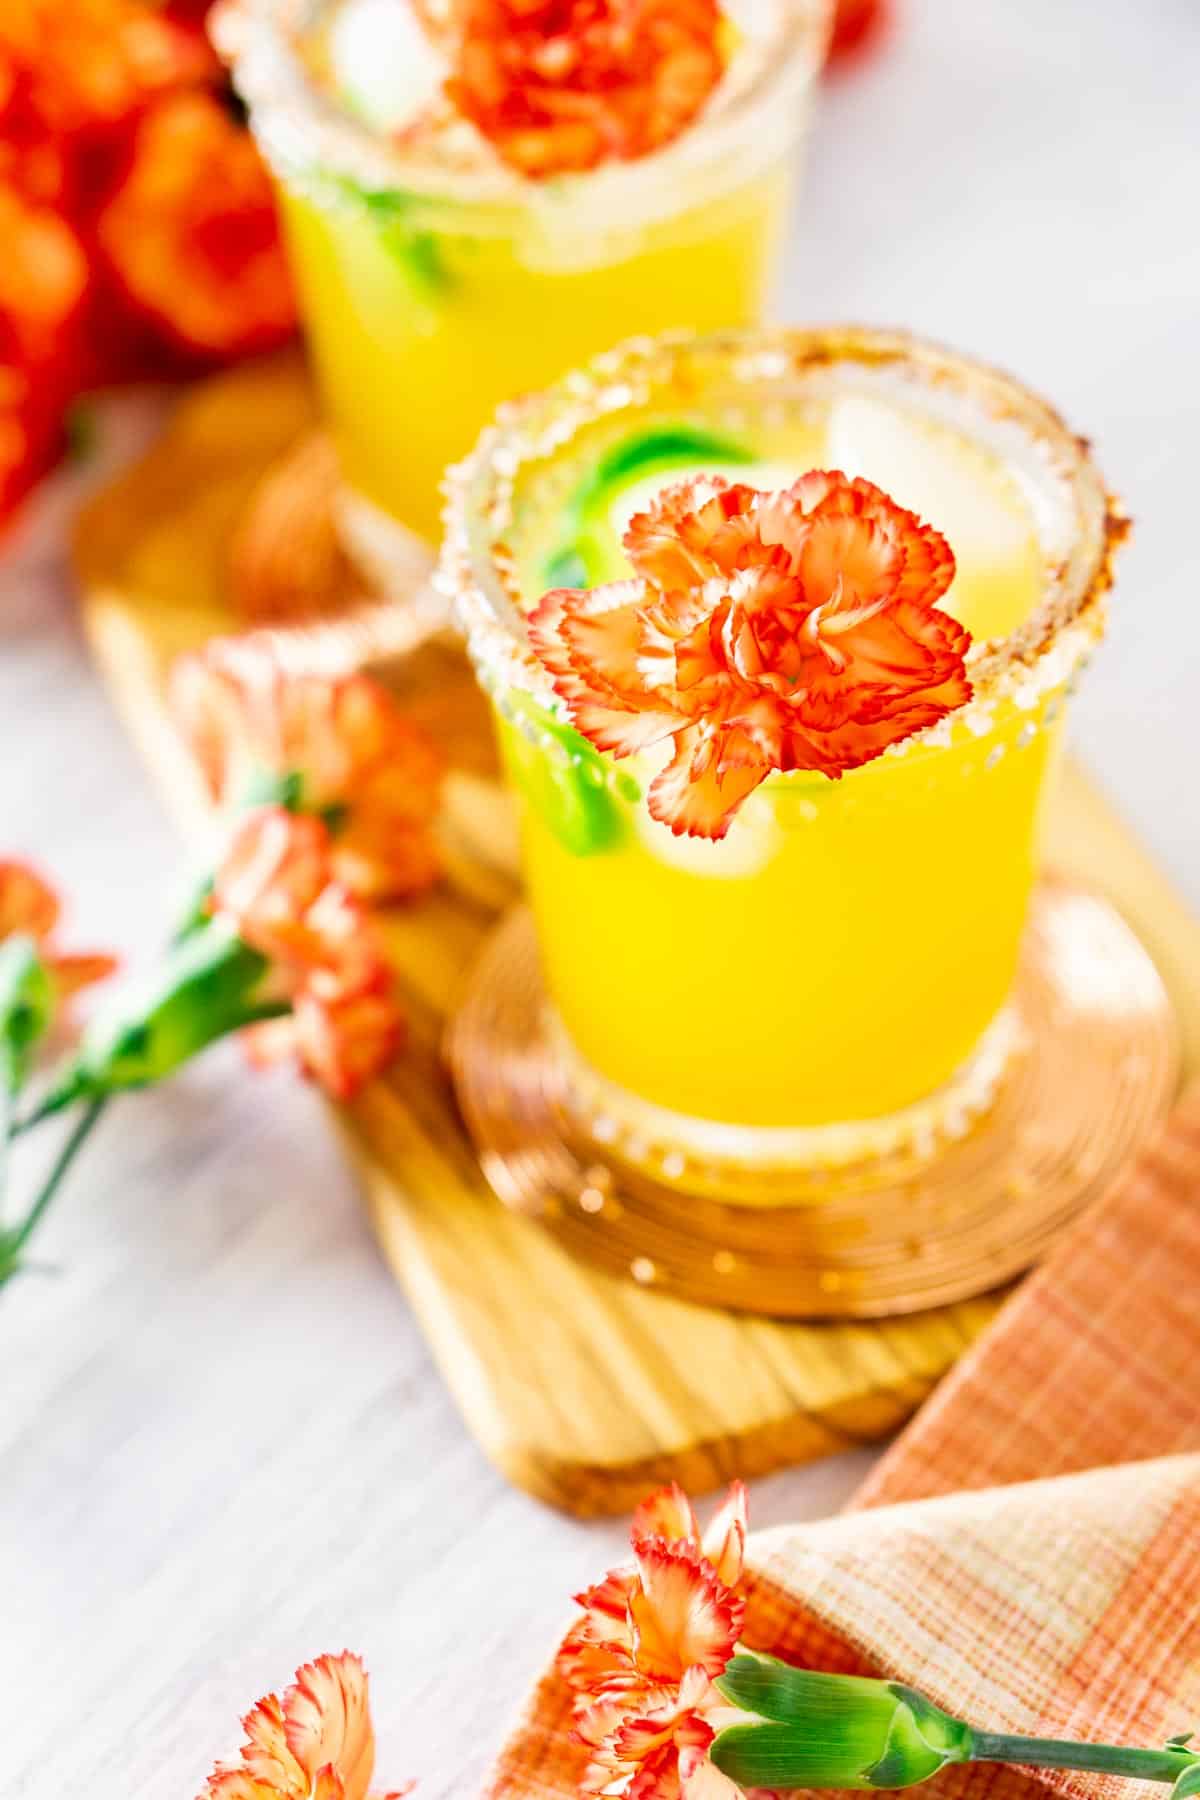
[(808, 1729)]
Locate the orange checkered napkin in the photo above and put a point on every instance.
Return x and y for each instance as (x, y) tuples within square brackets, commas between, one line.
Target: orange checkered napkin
[(1029, 1551)]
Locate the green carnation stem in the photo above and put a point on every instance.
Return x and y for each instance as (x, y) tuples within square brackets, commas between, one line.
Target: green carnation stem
[(208, 984), (803, 1728), (12, 1243), (1061, 1753)]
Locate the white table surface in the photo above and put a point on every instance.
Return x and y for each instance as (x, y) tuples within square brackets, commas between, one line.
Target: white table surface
[(223, 1444)]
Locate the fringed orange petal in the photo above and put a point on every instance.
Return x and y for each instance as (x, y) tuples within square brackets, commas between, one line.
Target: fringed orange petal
[(315, 1744), (28, 903), (682, 1616), (724, 1542), (700, 1779), (622, 721), (354, 752), (562, 85), (276, 866), (692, 530), (266, 1755), (667, 1513), (693, 796), (346, 1040), (327, 1721), (342, 953)]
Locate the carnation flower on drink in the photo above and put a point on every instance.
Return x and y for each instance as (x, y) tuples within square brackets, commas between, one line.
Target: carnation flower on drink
[(760, 632), (565, 85)]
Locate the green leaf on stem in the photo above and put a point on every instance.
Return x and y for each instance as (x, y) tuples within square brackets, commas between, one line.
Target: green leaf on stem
[(208, 984)]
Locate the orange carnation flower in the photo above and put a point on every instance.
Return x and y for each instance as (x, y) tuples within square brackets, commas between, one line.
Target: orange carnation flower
[(276, 883), (30, 907), (560, 85), (343, 1040), (358, 759), (191, 234), (316, 1743), (43, 286), (761, 631), (75, 67), (276, 886), (642, 1660)]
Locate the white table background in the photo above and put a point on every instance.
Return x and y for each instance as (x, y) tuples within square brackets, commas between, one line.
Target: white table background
[(223, 1445)]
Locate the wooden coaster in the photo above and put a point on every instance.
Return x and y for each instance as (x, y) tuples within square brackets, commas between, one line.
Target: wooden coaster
[(584, 1388), (1094, 1075)]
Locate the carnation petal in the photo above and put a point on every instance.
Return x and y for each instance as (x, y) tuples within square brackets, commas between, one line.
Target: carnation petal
[(327, 1723), (668, 1514), (700, 1778), (700, 804), (682, 1616), (28, 903), (725, 1539), (559, 88)]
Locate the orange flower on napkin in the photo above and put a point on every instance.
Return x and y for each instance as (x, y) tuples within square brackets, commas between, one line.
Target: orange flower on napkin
[(558, 85), (642, 1659), (316, 1743), (354, 754), (761, 631)]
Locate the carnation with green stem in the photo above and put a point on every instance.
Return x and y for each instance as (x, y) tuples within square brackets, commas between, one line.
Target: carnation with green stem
[(670, 1705), (331, 796), (274, 943)]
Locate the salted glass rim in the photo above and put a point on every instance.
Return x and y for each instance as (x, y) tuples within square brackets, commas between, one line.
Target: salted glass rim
[(1079, 521), (304, 128)]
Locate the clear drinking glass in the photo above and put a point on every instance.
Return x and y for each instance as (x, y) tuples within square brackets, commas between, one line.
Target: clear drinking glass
[(433, 290), (845, 954)]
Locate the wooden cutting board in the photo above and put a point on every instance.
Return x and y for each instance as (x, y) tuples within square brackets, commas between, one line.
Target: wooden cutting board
[(583, 1389)]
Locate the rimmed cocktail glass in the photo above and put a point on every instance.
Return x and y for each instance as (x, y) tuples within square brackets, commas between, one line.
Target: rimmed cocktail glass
[(834, 974), (434, 286)]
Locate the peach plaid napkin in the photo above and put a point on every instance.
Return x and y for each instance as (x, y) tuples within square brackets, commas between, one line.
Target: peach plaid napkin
[(1028, 1553)]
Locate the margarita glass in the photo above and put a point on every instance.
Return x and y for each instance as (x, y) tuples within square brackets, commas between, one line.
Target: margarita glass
[(436, 282), (847, 950)]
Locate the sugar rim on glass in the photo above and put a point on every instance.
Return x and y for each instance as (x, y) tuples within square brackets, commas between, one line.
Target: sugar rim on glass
[(1079, 522), (305, 132)]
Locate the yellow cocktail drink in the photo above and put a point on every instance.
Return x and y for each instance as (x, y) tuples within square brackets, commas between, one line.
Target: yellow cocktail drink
[(846, 948), (429, 352), (436, 282)]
